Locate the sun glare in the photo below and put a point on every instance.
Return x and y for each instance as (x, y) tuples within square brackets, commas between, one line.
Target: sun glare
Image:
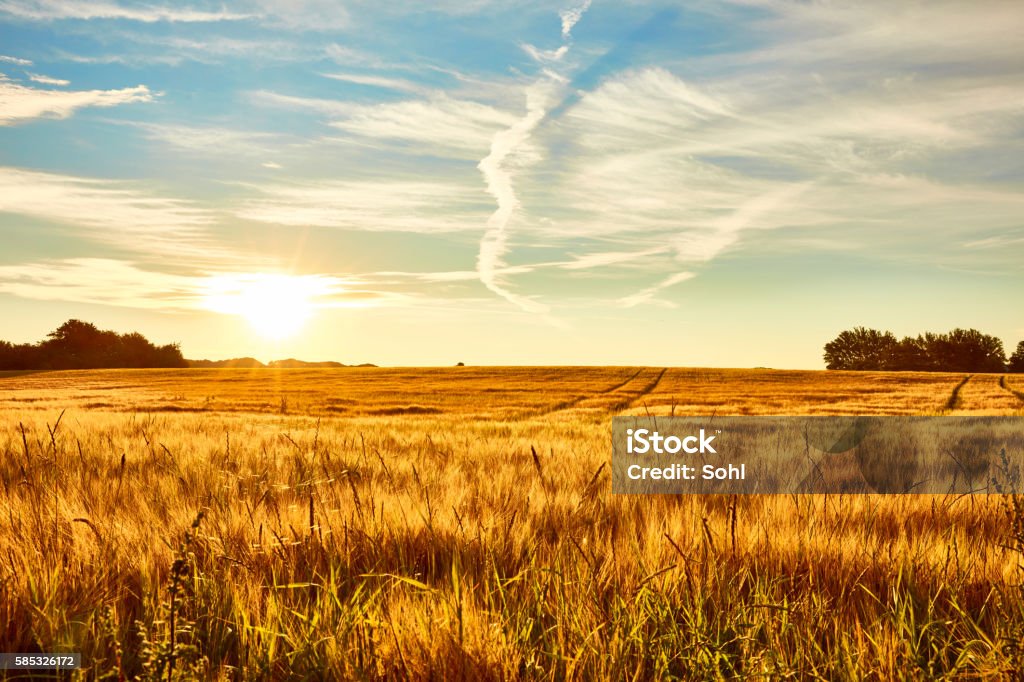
[(276, 306)]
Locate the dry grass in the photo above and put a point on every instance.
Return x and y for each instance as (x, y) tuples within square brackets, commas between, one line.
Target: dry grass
[(458, 524)]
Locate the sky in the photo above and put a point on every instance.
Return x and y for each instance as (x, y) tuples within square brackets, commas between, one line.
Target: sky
[(702, 183)]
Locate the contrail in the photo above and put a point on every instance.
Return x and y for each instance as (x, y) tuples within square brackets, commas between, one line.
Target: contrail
[(498, 175), (494, 244), (571, 17)]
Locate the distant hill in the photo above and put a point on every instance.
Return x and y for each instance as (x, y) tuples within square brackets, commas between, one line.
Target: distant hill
[(292, 363), (234, 363), (253, 363)]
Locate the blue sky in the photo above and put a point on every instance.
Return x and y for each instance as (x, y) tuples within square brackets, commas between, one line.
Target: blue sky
[(689, 183)]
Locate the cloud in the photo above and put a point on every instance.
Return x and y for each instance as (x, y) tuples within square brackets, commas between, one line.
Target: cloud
[(141, 46), (369, 205), (209, 140), (345, 55), (47, 80), (101, 281), (320, 105), (50, 10), (306, 15), (108, 211), (651, 101), (214, 49), (132, 59), (511, 150), (703, 245), (570, 17), (607, 258), (834, 36), (398, 84), (15, 60), (439, 125), (240, 293), (19, 103), (648, 295), (496, 168), (540, 55), (698, 166), (891, 128), (124, 283)]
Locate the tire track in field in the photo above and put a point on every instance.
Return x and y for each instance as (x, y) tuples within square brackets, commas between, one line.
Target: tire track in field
[(621, 384), (954, 401), (645, 391), (1005, 384), (573, 402)]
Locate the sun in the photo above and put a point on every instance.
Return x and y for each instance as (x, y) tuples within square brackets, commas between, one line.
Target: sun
[(276, 306)]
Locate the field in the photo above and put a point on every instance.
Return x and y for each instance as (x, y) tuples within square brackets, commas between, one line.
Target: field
[(458, 524)]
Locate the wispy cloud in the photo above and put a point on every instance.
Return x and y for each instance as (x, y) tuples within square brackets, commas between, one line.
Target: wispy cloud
[(47, 80), (847, 36), (50, 10), (19, 103), (125, 283), (604, 259), (143, 47), (209, 140), (320, 105), (438, 125), (649, 295), (101, 281), (540, 55), (111, 212), (15, 60), (239, 293), (570, 17), (703, 164), (398, 84), (349, 56), (369, 205)]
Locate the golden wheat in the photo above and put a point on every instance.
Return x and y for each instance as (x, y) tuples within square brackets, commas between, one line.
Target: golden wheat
[(459, 524)]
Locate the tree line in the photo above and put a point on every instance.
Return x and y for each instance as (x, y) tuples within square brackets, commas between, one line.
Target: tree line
[(80, 345), (960, 350)]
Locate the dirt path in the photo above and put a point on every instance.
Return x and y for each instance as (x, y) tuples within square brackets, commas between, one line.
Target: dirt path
[(953, 402), (622, 387), (1005, 384), (645, 391)]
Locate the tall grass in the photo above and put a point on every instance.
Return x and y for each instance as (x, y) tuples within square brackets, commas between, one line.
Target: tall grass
[(227, 545)]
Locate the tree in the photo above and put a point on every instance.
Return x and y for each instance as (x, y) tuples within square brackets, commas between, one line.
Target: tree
[(960, 350), (1016, 363), (968, 350), (81, 345), (911, 355), (860, 349), (18, 356)]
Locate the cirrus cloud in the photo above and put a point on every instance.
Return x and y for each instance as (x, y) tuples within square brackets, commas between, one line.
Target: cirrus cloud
[(19, 103)]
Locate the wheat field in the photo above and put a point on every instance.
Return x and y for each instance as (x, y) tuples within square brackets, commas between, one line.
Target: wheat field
[(459, 524)]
